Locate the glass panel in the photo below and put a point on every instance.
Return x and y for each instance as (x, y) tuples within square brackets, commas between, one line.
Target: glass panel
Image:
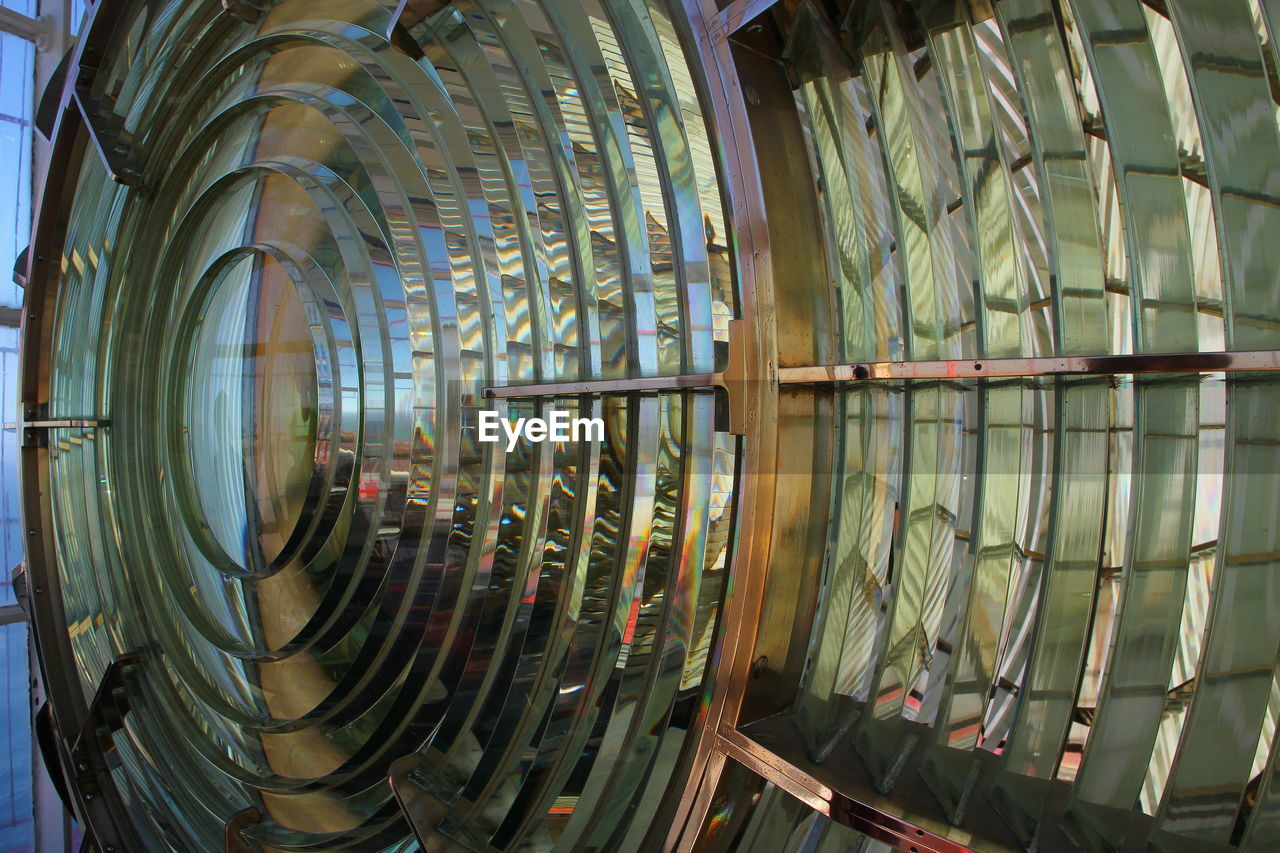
[(17, 80), (296, 510), (1055, 655), (17, 830), (1026, 580)]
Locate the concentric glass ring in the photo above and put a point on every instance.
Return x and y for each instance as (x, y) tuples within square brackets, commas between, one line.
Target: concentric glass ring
[(348, 221)]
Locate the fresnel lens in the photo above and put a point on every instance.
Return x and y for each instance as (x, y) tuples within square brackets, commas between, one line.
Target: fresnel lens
[(646, 425)]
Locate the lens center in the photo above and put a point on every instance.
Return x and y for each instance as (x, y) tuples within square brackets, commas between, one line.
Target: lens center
[(250, 410)]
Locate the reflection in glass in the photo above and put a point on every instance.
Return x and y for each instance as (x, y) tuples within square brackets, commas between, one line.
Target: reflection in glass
[(1043, 607), (340, 241)]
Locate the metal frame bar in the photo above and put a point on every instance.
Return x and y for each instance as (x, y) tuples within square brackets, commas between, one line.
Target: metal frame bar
[(992, 368), (738, 13), (682, 382), (11, 614), (829, 801), (753, 411), (39, 31)]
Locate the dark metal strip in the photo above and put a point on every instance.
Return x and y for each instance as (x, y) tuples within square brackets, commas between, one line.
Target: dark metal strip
[(606, 386), (93, 753), (735, 15)]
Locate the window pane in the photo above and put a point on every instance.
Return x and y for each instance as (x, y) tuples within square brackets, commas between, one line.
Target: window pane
[(16, 99), (16, 822)]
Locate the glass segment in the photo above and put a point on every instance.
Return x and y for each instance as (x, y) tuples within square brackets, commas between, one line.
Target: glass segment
[(1044, 611)]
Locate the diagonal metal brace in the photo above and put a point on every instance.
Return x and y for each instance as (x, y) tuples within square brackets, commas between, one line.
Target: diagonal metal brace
[(421, 809), (94, 753), (232, 837), (106, 130), (244, 10)]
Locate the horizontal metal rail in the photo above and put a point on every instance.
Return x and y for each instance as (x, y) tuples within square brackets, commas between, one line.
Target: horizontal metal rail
[(981, 368), (1005, 368), (607, 386)]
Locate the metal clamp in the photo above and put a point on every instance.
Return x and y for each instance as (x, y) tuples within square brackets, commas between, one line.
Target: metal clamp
[(94, 750), (233, 839), (35, 424), (423, 811)]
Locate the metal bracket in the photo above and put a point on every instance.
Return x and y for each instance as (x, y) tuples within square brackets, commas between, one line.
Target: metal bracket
[(421, 809), (50, 104), (35, 426), (233, 840), (242, 10), (21, 588), (93, 755), (20, 265), (106, 129), (94, 752)]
